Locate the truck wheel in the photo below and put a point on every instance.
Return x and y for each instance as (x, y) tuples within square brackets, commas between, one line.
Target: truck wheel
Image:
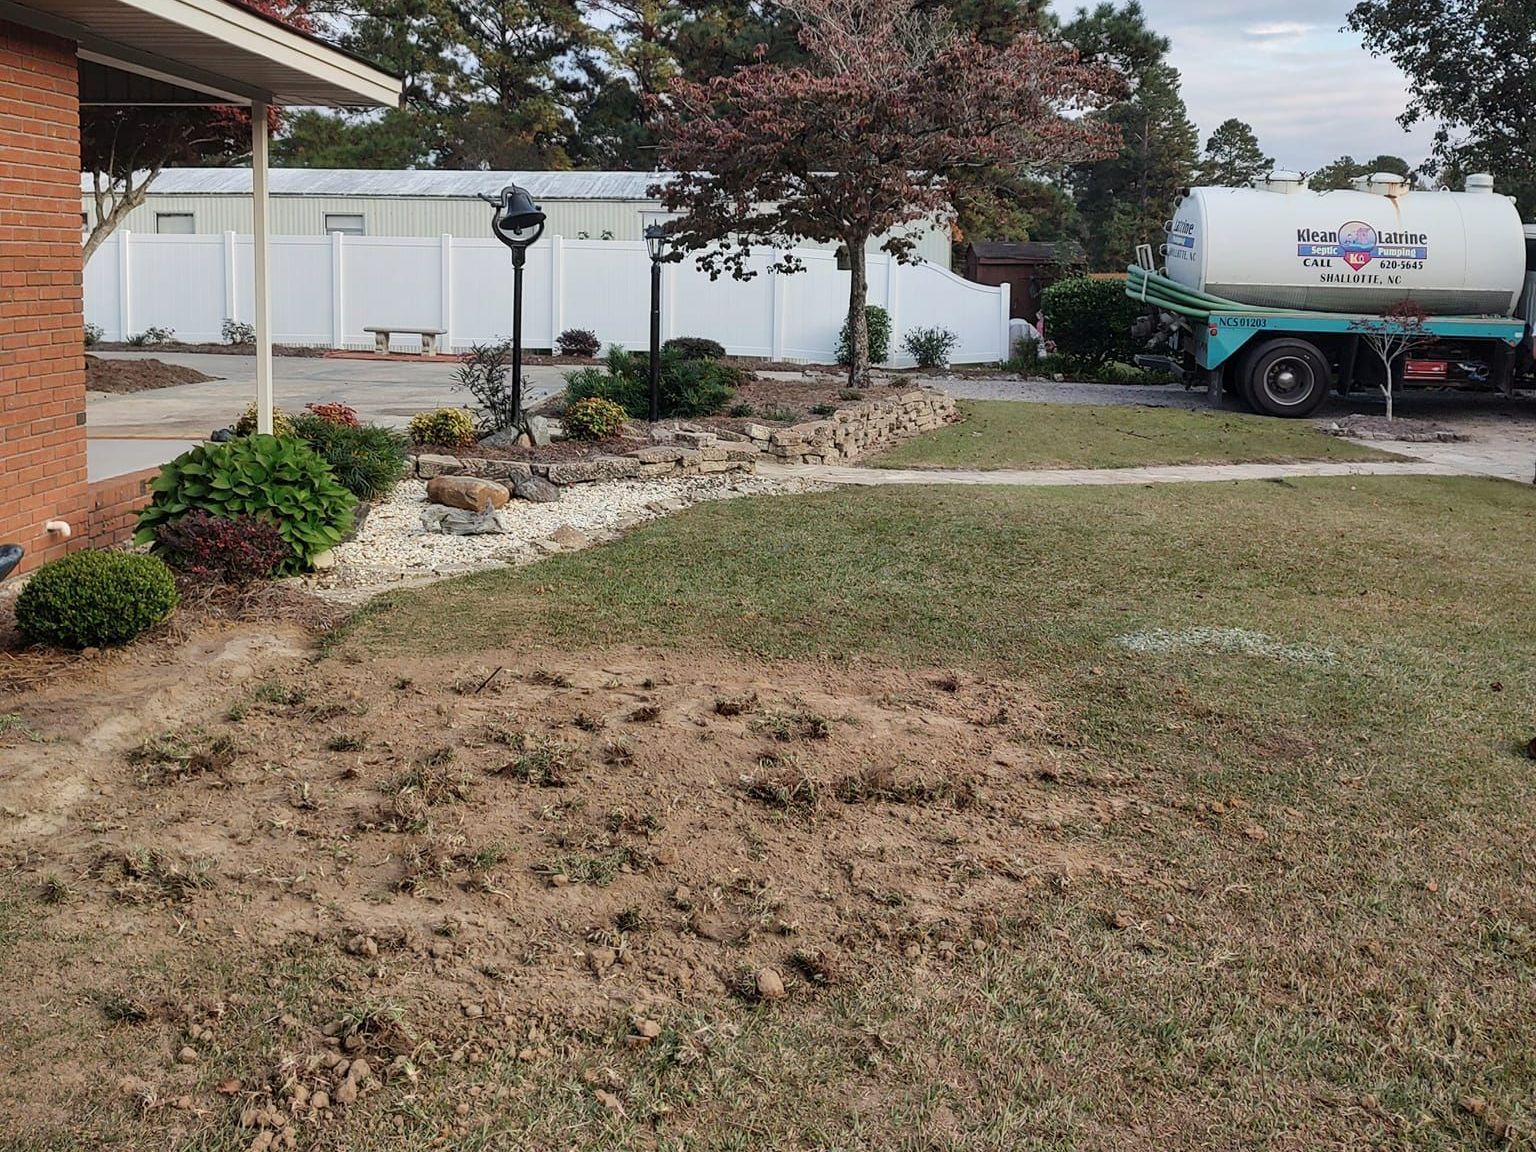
[(1285, 378)]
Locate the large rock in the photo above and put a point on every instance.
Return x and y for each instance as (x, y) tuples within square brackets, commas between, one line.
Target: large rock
[(536, 489), (543, 430), (658, 454), (467, 492), (429, 465), (462, 522), (594, 468)]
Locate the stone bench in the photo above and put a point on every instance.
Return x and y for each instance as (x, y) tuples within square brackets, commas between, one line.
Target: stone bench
[(428, 336)]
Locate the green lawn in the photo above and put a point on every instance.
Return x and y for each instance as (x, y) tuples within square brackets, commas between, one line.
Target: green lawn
[(1262, 875), (1344, 956), (1011, 434)]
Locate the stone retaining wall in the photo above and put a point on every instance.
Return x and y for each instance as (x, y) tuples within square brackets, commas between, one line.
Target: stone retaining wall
[(858, 430), (695, 451), (674, 459)]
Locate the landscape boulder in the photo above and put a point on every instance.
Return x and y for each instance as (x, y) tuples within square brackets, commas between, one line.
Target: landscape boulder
[(463, 522), (536, 489), (467, 492)]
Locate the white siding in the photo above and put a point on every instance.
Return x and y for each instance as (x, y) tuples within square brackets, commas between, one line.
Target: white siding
[(425, 216)]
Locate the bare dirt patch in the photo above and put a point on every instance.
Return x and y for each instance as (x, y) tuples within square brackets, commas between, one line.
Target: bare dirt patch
[(137, 375), (480, 856)]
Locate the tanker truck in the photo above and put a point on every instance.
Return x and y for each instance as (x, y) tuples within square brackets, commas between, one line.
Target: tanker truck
[(1274, 292)]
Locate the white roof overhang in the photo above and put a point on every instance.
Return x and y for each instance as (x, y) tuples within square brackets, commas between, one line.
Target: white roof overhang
[(221, 49)]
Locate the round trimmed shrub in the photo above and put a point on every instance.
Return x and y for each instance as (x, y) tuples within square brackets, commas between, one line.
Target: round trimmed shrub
[(1090, 320), (281, 480), (578, 342), (695, 348), (449, 427), (594, 418), (94, 599)]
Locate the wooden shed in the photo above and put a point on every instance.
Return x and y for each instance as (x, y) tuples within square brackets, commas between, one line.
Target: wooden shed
[(1028, 268)]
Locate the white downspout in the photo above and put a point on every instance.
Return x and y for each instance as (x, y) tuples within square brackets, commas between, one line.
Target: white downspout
[(260, 227)]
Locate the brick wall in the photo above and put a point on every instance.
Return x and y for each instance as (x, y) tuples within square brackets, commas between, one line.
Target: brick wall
[(115, 505), (42, 366)]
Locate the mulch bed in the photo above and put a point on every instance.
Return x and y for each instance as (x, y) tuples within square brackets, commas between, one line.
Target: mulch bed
[(137, 375), (24, 666), (179, 348), (780, 403)]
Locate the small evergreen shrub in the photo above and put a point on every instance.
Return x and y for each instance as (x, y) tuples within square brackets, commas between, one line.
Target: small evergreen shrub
[(236, 332), (823, 409), (1026, 356), (878, 320), (486, 374), (93, 335), (228, 550), (283, 480), (593, 419), (695, 348), (342, 414), (687, 388), (447, 427), (851, 394), (578, 342), (152, 336), (1090, 320), (930, 347), (367, 459), (93, 599), (741, 410), (282, 423)]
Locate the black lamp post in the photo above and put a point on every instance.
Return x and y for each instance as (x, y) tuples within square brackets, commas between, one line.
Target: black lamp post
[(517, 222), (656, 245)]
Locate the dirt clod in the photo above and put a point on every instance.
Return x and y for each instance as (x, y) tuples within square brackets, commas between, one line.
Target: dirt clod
[(188, 1055)]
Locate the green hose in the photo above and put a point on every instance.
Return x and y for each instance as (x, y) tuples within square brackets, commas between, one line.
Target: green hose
[(1161, 292)]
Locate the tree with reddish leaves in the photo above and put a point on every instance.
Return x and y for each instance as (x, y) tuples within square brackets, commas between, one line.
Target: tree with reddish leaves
[(894, 117), (124, 146)]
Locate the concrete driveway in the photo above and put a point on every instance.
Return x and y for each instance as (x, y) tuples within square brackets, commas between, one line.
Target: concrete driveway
[(382, 391), (138, 430)]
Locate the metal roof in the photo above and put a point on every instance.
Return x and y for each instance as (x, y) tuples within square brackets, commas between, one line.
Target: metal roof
[(370, 182), (1028, 251)]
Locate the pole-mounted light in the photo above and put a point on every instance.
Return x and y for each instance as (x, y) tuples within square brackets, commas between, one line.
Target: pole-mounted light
[(656, 247), (517, 222)]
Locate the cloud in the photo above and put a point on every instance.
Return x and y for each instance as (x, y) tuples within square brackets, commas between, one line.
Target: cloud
[(1310, 90), (1282, 29)]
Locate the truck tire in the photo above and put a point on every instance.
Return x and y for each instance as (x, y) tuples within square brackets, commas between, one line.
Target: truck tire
[(1285, 377)]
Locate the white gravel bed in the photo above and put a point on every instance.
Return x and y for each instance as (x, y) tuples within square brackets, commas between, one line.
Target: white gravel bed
[(394, 550)]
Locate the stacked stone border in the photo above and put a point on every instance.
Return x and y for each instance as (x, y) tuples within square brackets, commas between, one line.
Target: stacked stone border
[(857, 430), (693, 451)]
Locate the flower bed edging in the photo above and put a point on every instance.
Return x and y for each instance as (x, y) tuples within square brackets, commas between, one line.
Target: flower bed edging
[(651, 461), (857, 430)]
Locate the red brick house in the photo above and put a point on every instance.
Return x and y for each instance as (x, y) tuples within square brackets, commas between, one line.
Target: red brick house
[(56, 55)]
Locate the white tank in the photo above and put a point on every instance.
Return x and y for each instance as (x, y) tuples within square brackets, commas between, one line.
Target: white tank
[(1283, 246)]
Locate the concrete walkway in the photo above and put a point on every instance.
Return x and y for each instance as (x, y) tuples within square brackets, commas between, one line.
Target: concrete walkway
[(382, 391), (1069, 477)]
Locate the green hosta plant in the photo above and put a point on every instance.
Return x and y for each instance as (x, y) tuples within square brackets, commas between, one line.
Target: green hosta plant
[(283, 480)]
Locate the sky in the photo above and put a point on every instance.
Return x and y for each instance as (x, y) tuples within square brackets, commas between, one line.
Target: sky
[(1311, 91)]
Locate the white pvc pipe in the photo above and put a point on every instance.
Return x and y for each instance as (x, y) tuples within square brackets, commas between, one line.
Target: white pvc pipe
[(261, 227)]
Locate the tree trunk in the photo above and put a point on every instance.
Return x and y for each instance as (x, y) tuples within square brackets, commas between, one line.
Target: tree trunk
[(858, 321), (107, 219)]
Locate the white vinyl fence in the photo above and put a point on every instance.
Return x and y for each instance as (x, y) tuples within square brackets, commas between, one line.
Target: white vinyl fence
[(327, 289)]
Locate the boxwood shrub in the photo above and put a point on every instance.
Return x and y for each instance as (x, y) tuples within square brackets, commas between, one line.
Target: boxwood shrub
[(1090, 320), (95, 598), (283, 480)]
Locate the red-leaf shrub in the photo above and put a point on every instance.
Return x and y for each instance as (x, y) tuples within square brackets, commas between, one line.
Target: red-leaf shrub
[(236, 550), (343, 415)]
